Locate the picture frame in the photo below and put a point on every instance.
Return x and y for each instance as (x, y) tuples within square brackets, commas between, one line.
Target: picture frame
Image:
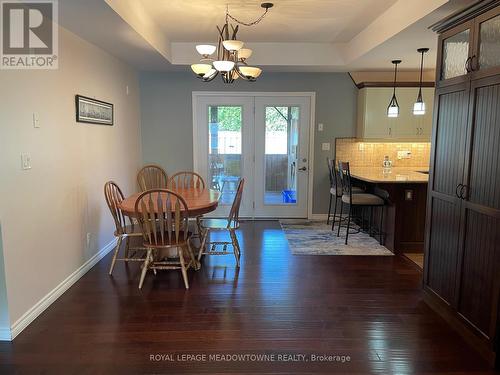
[(93, 111)]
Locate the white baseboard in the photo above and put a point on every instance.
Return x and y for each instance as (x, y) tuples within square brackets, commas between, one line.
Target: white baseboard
[(54, 294), (318, 217), (5, 334)]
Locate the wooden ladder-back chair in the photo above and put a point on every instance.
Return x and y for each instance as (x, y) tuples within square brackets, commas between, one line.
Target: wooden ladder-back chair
[(152, 176), (231, 224), (186, 180), (163, 218), (114, 197)]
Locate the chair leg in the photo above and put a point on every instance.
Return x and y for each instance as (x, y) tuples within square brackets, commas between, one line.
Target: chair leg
[(115, 255), (236, 247), (198, 226), (127, 247), (329, 210), (145, 266), (194, 261), (183, 268), (334, 213), (370, 222), (340, 217), (348, 224), (382, 225), (203, 244)]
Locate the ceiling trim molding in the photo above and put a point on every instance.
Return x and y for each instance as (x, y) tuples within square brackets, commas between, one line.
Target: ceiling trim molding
[(134, 13), (362, 85)]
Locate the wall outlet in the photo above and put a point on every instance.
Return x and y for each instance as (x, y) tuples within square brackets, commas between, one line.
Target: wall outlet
[(325, 146), (25, 160), (404, 154), (127, 90), (89, 238), (320, 127)]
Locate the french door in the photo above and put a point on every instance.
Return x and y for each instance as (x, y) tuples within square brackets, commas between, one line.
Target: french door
[(263, 138)]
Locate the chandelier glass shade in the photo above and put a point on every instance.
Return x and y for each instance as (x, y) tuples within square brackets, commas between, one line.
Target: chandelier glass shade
[(230, 60)]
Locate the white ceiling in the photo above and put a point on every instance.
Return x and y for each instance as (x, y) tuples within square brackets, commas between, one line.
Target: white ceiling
[(296, 35), (288, 21)]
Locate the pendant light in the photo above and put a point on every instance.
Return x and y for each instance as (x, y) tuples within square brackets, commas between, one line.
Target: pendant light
[(393, 108), (419, 106)]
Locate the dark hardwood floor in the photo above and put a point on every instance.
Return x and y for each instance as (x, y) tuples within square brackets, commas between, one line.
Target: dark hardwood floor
[(367, 308)]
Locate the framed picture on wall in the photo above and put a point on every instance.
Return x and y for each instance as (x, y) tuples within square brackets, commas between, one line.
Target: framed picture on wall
[(93, 111)]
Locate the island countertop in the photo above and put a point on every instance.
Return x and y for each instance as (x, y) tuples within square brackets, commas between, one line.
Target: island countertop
[(398, 175)]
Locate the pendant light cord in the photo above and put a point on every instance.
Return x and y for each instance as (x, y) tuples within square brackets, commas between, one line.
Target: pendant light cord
[(395, 75), (229, 16)]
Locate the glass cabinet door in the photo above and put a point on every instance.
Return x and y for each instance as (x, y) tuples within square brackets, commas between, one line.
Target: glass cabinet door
[(455, 52), (488, 43)]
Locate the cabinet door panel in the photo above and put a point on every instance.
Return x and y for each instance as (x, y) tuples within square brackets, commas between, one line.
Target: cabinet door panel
[(486, 61), (377, 124), (449, 144), (454, 54), (484, 172), (442, 254), (480, 270)]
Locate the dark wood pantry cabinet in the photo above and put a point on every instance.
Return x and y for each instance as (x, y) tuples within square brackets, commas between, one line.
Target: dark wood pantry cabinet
[(462, 244)]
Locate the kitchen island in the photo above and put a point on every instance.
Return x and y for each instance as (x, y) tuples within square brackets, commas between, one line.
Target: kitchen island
[(405, 190)]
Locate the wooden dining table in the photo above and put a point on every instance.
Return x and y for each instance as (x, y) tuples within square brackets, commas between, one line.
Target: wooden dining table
[(199, 201)]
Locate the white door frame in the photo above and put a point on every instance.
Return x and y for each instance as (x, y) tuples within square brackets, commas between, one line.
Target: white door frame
[(312, 127)]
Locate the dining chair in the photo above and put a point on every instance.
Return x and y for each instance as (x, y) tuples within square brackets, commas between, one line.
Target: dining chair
[(336, 191), (362, 200), (114, 197), (152, 176), (163, 218), (231, 224), (186, 180)]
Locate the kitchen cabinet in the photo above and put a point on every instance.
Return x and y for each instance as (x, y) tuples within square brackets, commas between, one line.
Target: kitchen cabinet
[(462, 245), (373, 122), (469, 50)]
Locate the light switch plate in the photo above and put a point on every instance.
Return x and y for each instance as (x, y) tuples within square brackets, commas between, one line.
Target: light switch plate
[(320, 127), (36, 120), (325, 146), (25, 160)]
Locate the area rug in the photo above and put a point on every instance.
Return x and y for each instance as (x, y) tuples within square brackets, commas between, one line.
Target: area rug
[(306, 237)]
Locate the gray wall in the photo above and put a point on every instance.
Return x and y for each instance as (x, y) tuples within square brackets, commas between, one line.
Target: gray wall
[(166, 113)]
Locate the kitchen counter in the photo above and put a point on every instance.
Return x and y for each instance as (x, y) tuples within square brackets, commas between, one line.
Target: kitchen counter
[(380, 175)]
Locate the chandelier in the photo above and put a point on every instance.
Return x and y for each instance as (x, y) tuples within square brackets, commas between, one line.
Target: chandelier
[(231, 59)]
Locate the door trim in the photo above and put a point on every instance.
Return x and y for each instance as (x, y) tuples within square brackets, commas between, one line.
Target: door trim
[(310, 94)]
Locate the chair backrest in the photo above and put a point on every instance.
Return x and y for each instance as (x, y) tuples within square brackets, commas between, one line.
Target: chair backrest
[(234, 213), (163, 217), (114, 197), (344, 173), (334, 177), (186, 180), (152, 177)]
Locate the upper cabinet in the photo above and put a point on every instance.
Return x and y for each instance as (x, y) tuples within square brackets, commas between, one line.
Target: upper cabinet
[(373, 122), (470, 50)]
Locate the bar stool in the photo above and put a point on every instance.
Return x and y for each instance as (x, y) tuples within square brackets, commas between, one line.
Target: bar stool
[(336, 191), (362, 200)]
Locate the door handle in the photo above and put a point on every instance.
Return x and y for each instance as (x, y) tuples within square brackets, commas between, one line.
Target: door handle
[(464, 191), (459, 186), (303, 169), (467, 65), (472, 63)]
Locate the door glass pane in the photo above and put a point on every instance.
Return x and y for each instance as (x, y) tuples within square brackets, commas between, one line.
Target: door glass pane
[(281, 147), (455, 53), (489, 43), (224, 148)]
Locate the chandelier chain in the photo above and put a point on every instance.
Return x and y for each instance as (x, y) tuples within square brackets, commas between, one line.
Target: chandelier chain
[(245, 23)]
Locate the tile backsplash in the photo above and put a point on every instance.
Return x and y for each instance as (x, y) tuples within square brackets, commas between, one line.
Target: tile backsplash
[(362, 153)]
